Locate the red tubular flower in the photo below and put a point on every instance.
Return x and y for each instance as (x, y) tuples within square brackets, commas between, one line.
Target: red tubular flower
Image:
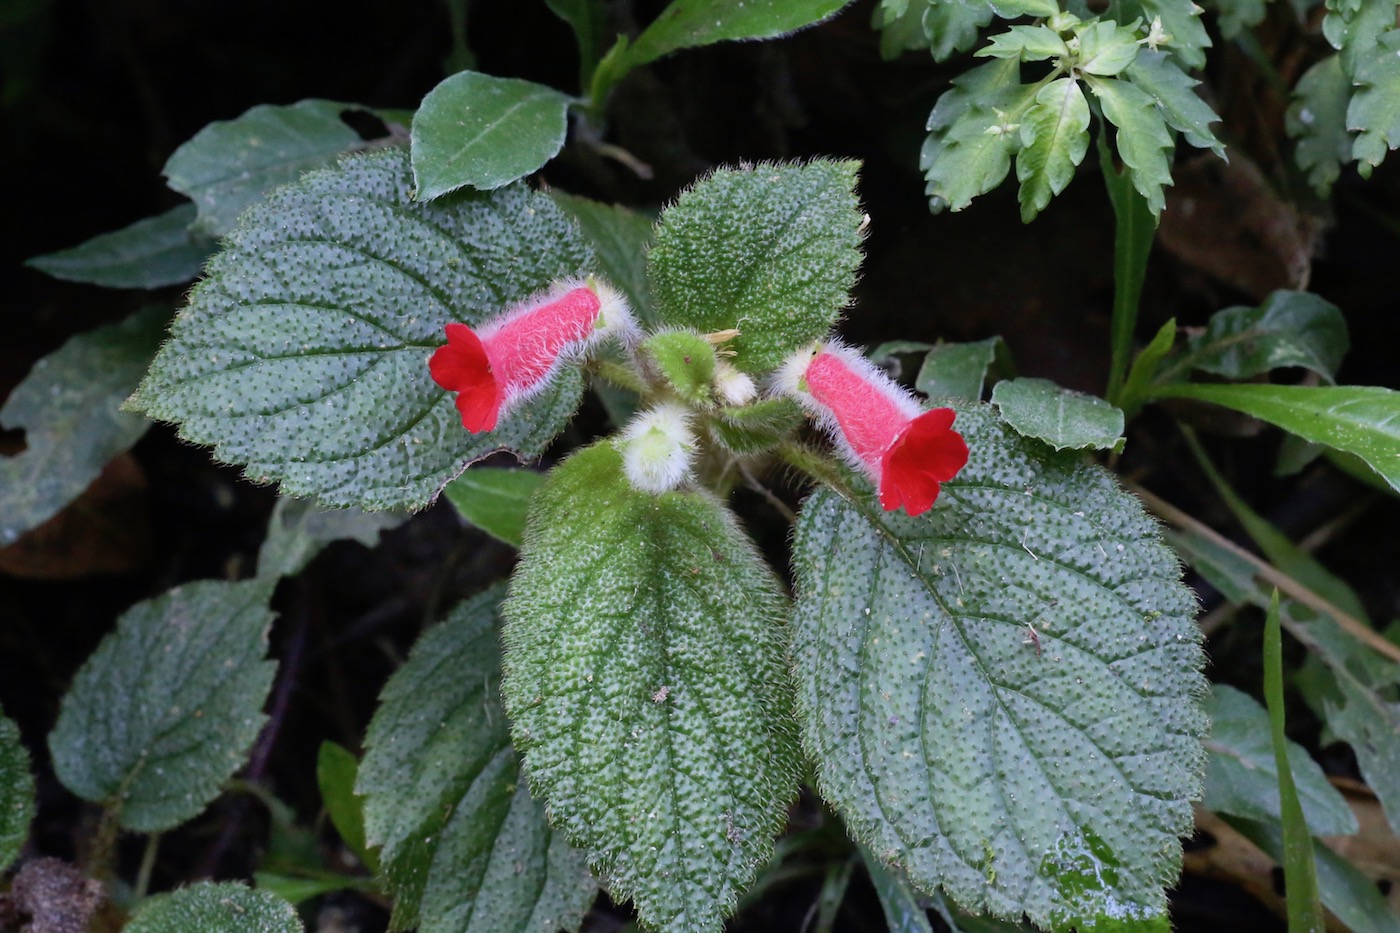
[(516, 354), (882, 430)]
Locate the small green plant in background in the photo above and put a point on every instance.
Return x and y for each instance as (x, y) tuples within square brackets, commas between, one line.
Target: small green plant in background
[(987, 666)]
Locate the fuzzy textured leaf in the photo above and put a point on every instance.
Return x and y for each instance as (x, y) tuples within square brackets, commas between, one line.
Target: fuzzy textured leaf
[(298, 531), (771, 251), (1171, 89), (150, 253), (228, 907), (1288, 329), (1317, 119), (304, 353), (1054, 138), (1242, 779), (621, 237), (16, 794), (1002, 695), (1142, 140), (1374, 111), (646, 679), (167, 706), (1062, 418), (230, 164), (484, 132), (1360, 420), (464, 847), (495, 499), (69, 407)]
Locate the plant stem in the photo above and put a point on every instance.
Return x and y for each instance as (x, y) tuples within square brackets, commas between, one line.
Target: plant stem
[(1134, 228), (148, 864), (618, 375)]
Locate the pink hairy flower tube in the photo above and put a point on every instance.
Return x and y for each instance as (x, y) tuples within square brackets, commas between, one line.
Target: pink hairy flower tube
[(879, 427)]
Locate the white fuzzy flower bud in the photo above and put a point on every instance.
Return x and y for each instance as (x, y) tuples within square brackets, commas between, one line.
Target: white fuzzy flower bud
[(732, 386), (658, 448)]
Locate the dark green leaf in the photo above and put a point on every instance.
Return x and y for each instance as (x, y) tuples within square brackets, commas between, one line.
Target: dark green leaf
[(646, 678), (216, 908), (68, 406), (464, 848), (771, 251), (1317, 119), (951, 27), (1142, 139), (298, 531), (1004, 690), (16, 794), (897, 898), (1239, 16), (588, 19), (759, 427), (1170, 87), (1287, 329), (621, 237), (484, 132), (1054, 138), (230, 164), (165, 710), (295, 889), (1299, 872), (1345, 889), (959, 370), (304, 353), (1134, 228), (151, 253), (1360, 420), (1145, 366), (336, 771), (1242, 776), (495, 500), (1060, 417), (688, 24)]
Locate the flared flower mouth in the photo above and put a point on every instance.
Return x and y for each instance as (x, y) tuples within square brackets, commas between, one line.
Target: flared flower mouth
[(462, 366), (926, 454)]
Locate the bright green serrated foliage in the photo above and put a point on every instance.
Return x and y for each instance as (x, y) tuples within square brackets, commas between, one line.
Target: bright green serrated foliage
[(620, 236), (1181, 20), (1010, 9), (150, 253), (230, 164), (753, 429), (1105, 48), (304, 352), (1360, 420), (207, 907), (1054, 137), (480, 131), (1374, 111), (495, 499), (1027, 44), (943, 27), (1062, 418), (1242, 777), (646, 677), (771, 251), (1287, 329), (1317, 119), (1171, 88), (1002, 695), (69, 408), (463, 847), (1142, 139), (1299, 871), (1355, 29), (16, 794), (1345, 890), (959, 370), (336, 771), (165, 709), (974, 130), (297, 531)]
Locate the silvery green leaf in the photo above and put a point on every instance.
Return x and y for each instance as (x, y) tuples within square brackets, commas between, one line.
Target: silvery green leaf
[(1054, 137)]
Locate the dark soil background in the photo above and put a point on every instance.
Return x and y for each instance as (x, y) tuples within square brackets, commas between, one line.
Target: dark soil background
[(95, 94)]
